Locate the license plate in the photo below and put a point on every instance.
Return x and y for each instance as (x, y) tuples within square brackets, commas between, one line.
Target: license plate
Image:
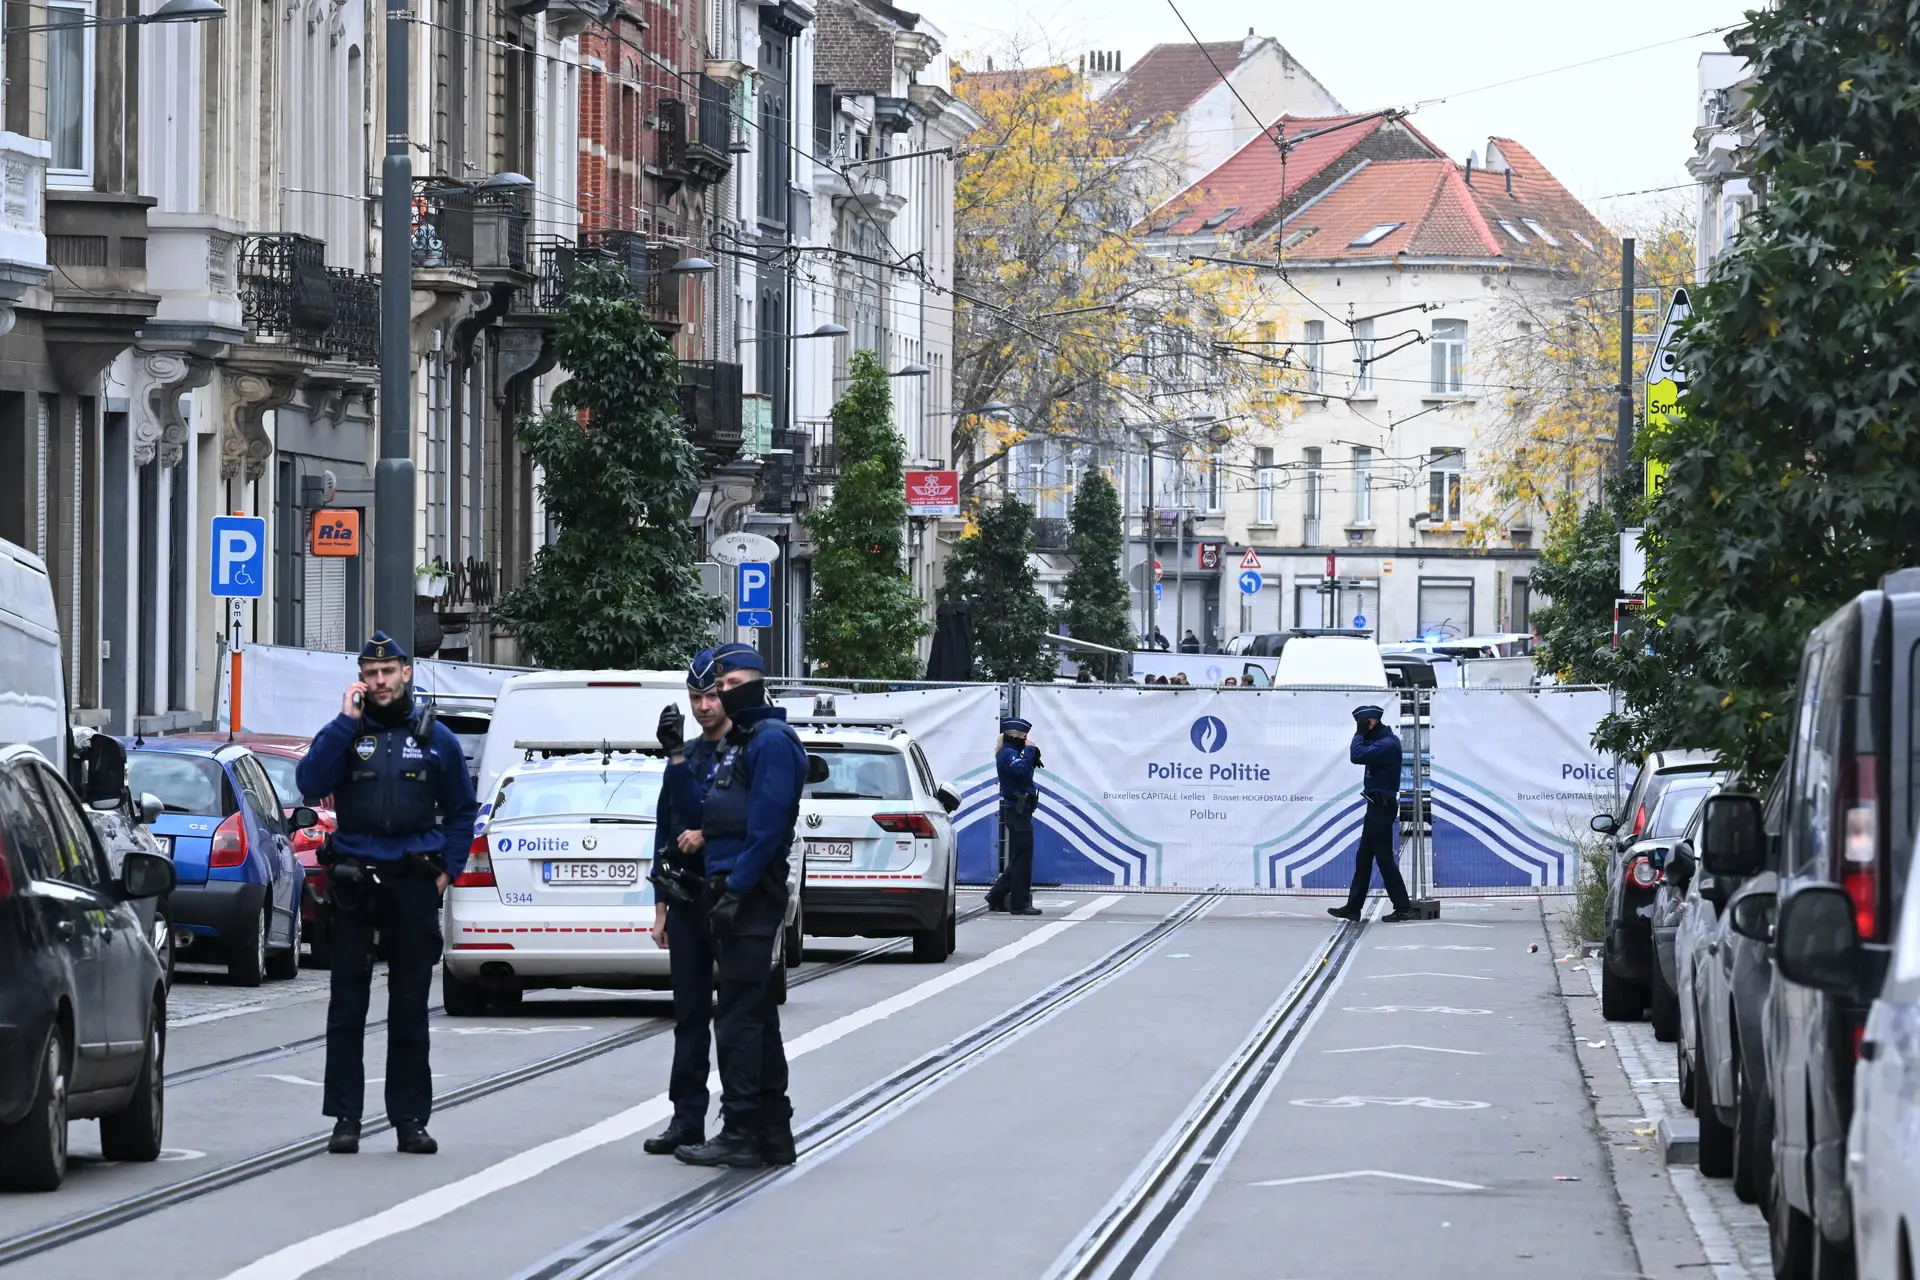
[(830, 851), (592, 872)]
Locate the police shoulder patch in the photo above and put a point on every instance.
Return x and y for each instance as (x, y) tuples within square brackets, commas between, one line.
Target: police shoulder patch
[(364, 748)]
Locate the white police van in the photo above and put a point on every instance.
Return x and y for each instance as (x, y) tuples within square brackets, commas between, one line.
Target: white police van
[(555, 893)]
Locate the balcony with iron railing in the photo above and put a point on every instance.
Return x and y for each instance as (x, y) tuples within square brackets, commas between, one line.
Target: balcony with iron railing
[(442, 224), (354, 335), (644, 261), (287, 295), (1050, 533), (550, 261), (710, 401), (502, 216)]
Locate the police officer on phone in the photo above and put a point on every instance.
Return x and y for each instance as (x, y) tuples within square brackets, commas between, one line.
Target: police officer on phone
[(748, 827), (1019, 800), (1378, 748), (680, 910), (406, 813)]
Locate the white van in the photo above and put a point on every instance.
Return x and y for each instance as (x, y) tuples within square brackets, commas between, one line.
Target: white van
[(1353, 661), (33, 688), (577, 706)]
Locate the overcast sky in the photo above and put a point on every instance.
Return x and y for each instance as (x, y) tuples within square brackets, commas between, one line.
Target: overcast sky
[(1619, 125)]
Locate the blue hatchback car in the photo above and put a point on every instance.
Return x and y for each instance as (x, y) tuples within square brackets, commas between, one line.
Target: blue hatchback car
[(239, 881)]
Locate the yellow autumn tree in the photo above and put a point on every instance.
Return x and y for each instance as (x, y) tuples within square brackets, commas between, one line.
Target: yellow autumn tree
[(1063, 313), (1557, 359)]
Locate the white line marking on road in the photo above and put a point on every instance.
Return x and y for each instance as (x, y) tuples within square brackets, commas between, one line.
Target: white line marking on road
[(321, 1084), (1451, 924), (510, 1031), (1370, 1173), (1428, 946), (1424, 1048), (1428, 973), (174, 1024), (1355, 1100), (306, 1256), (1411, 1008)]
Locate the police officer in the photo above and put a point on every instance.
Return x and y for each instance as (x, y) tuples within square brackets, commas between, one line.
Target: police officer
[(406, 814), (748, 827), (1376, 747), (1019, 799), (680, 911)]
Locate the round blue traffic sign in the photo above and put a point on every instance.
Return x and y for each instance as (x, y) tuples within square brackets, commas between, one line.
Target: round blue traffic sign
[(1250, 582)]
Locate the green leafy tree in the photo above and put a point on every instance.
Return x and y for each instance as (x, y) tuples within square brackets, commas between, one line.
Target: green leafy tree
[(619, 586), (1096, 593), (991, 570), (1579, 572), (865, 617), (1794, 479)]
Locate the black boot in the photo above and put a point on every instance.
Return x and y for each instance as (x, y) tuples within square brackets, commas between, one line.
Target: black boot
[(414, 1139), (1398, 914), (739, 1148), (346, 1137), (776, 1143), (1344, 913), (672, 1138)]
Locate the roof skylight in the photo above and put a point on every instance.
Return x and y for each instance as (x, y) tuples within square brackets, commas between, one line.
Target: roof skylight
[(1374, 236), (1513, 231), (1297, 236), (1541, 231), (1220, 217)]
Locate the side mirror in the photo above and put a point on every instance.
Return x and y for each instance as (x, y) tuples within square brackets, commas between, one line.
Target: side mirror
[(1716, 889), (300, 817), (1752, 916), (949, 797), (1733, 838), (1605, 823), (151, 807), (817, 770), (146, 875), (1815, 942), (1680, 865), (106, 769)]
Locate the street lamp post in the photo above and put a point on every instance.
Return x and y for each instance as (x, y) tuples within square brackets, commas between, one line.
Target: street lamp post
[(393, 480), (171, 11)]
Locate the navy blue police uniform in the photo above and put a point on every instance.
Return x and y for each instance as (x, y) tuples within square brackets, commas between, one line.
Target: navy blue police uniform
[(680, 881), (1014, 763), (748, 823), (406, 812), (1378, 750)]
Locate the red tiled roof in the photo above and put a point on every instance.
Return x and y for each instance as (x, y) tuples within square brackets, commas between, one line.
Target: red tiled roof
[(1169, 77), (971, 84), (1249, 181)]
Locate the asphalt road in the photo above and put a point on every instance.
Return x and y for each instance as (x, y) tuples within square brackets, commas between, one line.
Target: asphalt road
[(1132, 1085)]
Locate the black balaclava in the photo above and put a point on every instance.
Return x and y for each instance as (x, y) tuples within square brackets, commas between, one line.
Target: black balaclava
[(744, 697)]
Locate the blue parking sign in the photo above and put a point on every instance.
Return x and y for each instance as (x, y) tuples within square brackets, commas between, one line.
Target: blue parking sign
[(753, 594), (239, 564)]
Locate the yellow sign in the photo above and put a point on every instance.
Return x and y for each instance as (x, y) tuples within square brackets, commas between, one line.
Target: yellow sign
[(1666, 379), (1656, 477)]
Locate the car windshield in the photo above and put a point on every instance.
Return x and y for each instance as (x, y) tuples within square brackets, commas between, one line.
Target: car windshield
[(280, 771), (1677, 806), (613, 793), (184, 784), (855, 773)]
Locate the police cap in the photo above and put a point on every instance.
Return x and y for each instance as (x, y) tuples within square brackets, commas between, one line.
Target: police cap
[(1014, 724), (381, 647), (738, 657), (1369, 713), (701, 672)]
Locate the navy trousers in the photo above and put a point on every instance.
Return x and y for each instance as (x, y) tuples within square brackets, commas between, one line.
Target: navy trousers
[(405, 908), (1376, 849), (690, 948)]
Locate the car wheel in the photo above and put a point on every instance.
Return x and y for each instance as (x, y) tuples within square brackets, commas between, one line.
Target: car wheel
[(134, 1134), (282, 965), (1716, 1139), (33, 1152), (1684, 1072), (1752, 1138), (462, 999), (319, 943), (1831, 1261), (1666, 1008), (931, 946), (953, 930), (1620, 1000), (1789, 1236), (792, 938), (247, 961), (777, 985)]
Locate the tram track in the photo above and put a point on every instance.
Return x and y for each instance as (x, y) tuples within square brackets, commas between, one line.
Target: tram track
[(632, 1241), (75, 1227)]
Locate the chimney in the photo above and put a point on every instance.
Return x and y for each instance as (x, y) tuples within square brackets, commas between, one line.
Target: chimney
[(1469, 168), (1509, 179), (1247, 45)]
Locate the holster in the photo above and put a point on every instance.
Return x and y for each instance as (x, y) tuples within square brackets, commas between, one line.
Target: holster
[(678, 884)]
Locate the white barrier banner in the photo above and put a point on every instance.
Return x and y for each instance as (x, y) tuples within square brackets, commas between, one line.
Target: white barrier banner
[(295, 691), (957, 728)]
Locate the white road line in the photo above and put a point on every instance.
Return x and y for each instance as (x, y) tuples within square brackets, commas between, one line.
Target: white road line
[(1423, 973), (306, 1256), (1369, 1173), (1423, 1048)]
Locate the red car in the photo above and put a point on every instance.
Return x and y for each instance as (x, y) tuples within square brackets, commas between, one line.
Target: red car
[(279, 754)]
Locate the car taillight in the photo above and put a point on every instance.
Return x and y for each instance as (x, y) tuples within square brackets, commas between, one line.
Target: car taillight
[(1859, 1036), (229, 844), (1642, 874), (1860, 848), (6, 872), (1640, 820), (902, 823), (479, 870)]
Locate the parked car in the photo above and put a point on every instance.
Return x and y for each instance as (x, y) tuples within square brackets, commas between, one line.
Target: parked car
[(570, 706), (1629, 971), (1330, 658), (1660, 770), (879, 846), (1848, 823), (280, 755), (240, 884), (84, 1003), (125, 825)]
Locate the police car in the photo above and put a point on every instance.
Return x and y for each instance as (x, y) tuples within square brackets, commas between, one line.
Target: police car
[(880, 850), (555, 893)]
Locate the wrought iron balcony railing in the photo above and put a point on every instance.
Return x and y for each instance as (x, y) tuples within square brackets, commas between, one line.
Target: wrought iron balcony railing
[(355, 333), (710, 402), (1050, 533), (442, 223), (286, 293)]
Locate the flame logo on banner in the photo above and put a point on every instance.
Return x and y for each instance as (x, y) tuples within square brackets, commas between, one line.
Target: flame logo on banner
[(1209, 734)]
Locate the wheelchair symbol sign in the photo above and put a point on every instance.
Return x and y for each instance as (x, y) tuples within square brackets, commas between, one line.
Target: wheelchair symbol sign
[(239, 563)]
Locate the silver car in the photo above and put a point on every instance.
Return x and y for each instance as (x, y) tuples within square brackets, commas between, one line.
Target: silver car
[(1883, 1143)]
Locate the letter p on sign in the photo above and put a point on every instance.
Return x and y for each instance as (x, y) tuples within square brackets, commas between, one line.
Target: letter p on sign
[(238, 565)]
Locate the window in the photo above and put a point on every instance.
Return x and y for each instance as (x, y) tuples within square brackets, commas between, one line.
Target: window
[(1583, 240), (771, 84), (1443, 485), (1540, 232), (70, 94), (1220, 217), (1449, 357), (628, 793), (1295, 237), (921, 767), (260, 793), (1446, 608), (1316, 343), (280, 772), (183, 783), (1362, 485), (1316, 482), (1363, 357), (1515, 232), (855, 773), (25, 826), (1263, 469), (75, 858), (1375, 235)]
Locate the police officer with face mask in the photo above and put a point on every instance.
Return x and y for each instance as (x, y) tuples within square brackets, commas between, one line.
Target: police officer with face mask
[(748, 827), (1377, 748), (406, 814), (1019, 801), (680, 913)]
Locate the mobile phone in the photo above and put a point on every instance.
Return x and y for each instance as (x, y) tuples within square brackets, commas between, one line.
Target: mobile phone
[(357, 700)]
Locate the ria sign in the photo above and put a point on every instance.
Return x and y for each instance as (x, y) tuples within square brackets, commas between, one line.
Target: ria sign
[(933, 493)]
